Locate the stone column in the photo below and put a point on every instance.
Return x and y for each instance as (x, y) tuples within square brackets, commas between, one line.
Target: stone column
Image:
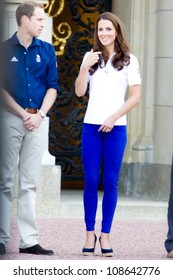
[(144, 42), (150, 125), (163, 126), (139, 20)]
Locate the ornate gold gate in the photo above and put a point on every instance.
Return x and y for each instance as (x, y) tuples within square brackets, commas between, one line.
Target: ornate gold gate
[(73, 27)]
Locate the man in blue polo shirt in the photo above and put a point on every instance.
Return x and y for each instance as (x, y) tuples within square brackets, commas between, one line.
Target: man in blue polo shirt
[(29, 87)]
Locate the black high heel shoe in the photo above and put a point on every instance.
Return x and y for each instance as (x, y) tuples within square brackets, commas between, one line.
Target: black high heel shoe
[(106, 252), (90, 251)]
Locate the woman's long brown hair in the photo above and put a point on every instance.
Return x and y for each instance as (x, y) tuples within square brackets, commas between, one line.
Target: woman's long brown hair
[(122, 52)]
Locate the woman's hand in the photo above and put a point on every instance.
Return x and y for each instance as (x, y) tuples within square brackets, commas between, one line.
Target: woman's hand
[(108, 124), (81, 82), (91, 59)]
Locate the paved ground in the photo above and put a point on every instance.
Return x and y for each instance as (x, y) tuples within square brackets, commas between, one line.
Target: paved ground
[(138, 232), (131, 239)]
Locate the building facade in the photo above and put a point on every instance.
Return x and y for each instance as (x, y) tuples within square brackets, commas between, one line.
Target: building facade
[(146, 167)]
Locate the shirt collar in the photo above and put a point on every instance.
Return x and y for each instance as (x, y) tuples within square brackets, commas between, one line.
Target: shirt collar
[(109, 60), (112, 55), (15, 41)]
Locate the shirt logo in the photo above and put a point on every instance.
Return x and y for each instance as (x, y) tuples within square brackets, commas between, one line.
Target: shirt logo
[(38, 58), (14, 59)]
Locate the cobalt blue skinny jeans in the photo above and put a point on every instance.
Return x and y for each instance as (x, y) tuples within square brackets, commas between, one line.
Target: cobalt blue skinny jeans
[(107, 150)]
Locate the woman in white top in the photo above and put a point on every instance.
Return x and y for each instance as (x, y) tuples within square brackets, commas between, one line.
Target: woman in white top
[(110, 69)]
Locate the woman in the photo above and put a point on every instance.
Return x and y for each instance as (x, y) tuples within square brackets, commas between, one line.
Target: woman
[(109, 69)]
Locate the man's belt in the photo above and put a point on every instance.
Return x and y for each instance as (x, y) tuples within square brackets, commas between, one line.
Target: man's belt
[(32, 110)]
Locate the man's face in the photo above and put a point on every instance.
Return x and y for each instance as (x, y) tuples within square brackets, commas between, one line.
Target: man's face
[(36, 22)]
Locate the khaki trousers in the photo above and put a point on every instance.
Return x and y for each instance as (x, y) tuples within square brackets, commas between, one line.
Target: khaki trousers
[(23, 149)]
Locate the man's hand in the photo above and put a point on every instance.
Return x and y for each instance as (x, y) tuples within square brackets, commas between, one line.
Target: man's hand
[(32, 121)]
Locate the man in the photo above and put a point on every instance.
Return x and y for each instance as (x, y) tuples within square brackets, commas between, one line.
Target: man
[(169, 240), (29, 89)]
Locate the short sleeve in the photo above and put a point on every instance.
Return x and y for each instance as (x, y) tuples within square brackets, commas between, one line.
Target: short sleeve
[(133, 71)]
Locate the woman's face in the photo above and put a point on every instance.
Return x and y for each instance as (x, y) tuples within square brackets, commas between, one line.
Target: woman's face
[(106, 33)]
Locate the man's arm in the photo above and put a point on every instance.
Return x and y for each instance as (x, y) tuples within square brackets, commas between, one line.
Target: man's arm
[(31, 121), (13, 106), (35, 119), (48, 100)]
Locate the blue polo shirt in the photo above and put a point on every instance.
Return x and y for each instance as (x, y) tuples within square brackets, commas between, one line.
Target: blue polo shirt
[(28, 73)]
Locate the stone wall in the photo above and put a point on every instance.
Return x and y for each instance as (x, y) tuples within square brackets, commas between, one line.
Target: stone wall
[(145, 181), (149, 26)]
